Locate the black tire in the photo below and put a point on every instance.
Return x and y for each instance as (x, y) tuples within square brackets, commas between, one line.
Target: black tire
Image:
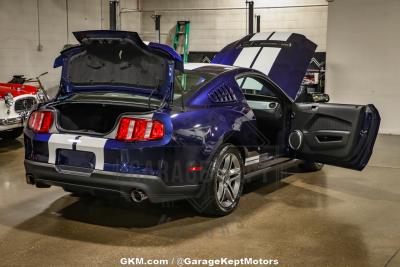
[(308, 166), (228, 185), (11, 134)]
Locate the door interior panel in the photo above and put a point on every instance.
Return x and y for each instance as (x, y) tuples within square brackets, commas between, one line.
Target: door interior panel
[(328, 127), (327, 139), (266, 106), (336, 134), (326, 122)]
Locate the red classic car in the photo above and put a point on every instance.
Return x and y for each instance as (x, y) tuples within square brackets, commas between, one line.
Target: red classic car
[(16, 101)]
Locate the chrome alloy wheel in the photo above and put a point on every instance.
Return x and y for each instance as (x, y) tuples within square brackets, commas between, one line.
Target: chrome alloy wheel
[(228, 181)]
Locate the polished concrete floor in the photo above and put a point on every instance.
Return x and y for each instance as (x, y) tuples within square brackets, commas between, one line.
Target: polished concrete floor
[(334, 217)]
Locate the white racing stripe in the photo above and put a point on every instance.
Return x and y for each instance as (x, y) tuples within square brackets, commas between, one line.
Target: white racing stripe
[(246, 57), (84, 143), (266, 59), (95, 145), (280, 36), (268, 55), (248, 54), (56, 141)]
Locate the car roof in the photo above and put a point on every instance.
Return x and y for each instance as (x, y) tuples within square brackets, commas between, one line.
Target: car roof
[(214, 69)]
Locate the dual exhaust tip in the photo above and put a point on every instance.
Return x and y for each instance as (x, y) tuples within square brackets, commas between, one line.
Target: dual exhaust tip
[(138, 195)]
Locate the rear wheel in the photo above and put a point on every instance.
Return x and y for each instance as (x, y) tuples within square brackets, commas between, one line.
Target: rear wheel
[(308, 166), (224, 184), (11, 134)]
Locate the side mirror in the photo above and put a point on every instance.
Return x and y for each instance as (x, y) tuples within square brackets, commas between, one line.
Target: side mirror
[(320, 97)]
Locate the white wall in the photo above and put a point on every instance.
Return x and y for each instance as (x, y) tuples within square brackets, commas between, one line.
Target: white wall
[(19, 33), (211, 30), (363, 59), (130, 21)]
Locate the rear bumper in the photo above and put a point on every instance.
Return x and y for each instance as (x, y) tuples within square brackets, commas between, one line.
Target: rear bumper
[(107, 182), (11, 123)]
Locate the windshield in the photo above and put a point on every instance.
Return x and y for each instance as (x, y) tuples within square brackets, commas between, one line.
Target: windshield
[(117, 97), (186, 84)]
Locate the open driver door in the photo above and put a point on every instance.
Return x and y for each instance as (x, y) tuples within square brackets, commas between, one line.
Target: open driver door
[(334, 134)]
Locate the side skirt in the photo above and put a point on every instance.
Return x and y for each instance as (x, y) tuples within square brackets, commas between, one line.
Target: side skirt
[(279, 163)]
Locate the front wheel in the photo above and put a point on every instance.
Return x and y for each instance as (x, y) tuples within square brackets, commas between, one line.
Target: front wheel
[(11, 134), (224, 183)]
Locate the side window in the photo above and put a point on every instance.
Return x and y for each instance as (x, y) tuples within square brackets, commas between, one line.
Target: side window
[(252, 86)]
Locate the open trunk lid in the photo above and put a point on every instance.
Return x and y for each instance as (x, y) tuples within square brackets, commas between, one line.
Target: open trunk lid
[(283, 57), (117, 61)]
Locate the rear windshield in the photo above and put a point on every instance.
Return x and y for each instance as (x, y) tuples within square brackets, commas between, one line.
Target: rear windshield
[(117, 63), (186, 84)]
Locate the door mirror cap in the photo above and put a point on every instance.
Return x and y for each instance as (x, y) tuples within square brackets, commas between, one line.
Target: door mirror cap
[(320, 97)]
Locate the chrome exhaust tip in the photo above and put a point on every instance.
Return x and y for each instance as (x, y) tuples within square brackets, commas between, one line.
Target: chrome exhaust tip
[(138, 195)]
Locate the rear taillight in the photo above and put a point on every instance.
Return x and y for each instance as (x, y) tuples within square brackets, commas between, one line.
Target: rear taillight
[(40, 121), (137, 129)]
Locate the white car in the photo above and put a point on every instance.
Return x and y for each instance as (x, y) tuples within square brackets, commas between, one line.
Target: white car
[(16, 102)]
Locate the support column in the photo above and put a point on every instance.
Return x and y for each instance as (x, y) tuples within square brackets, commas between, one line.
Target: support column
[(113, 14), (157, 21), (251, 17), (258, 18)]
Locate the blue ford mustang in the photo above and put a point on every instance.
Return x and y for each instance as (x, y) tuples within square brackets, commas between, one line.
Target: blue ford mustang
[(130, 119)]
